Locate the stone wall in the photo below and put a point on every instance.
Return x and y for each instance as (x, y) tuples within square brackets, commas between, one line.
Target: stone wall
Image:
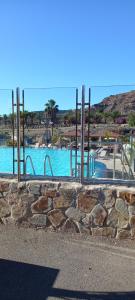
[(69, 207)]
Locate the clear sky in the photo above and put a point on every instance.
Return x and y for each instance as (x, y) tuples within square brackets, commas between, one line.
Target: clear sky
[(46, 43)]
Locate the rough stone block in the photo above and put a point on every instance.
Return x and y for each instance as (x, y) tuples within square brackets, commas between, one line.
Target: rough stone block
[(4, 208), (74, 214), (22, 185), (38, 220), (34, 189), (12, 198), (4, 186), (99, 215), (88, 220), (70, 227), (103, 231), (4, 195), (132, 231), (132, 221), (20, 210), (51, 193), (112, 218), (86, 201), (110, 198), (51, 186), (14, 187), (43, 204), (123, 234), (74, 186), (7, 221), (128, 196), (123, 223), (69, 194), (131, 210), (121, 207), (61, 202), (83, 229), (92, 190), (29, 198), (56, 217)]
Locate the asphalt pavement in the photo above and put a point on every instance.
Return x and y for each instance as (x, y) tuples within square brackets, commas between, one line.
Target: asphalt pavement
[(36, 265)]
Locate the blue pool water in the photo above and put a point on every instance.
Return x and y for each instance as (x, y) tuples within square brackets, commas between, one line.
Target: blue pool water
[(60, 160)]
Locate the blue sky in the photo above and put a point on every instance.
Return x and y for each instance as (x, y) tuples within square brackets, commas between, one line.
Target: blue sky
[(48, 43)]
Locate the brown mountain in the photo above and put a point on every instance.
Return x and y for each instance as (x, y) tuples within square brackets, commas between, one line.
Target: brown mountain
[(124, 103)]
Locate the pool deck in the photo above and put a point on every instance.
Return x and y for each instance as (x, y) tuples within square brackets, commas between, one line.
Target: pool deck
[(109, 162)]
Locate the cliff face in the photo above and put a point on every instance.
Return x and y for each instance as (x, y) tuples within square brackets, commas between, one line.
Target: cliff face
[(124, 103)]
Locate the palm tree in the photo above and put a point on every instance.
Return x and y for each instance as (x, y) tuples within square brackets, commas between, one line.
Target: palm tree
[(24, 117), (5, 117), (51, 109)]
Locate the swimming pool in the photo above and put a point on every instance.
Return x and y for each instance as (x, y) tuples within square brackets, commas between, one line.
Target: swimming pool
[(60, 161)]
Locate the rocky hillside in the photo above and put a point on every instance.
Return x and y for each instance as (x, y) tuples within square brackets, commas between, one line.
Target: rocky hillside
[(124, 103)]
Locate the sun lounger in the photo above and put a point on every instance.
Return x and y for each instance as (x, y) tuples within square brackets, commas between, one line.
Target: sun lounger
[(103, 154)]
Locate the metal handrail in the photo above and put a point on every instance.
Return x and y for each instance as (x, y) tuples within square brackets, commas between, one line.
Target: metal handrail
[(124, 168), (130, 174), (49, 161), (31, 162), (127, 161), (72, 170)]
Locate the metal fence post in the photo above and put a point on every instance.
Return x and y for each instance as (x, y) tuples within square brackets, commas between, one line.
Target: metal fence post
[(88, 161), (23, 133), (114, 161), (13, 131), (82, 132), (18, 132), (76, 130)]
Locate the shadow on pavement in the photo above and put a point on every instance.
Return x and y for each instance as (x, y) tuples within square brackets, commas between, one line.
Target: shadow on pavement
[(21, 281), (66, 294)]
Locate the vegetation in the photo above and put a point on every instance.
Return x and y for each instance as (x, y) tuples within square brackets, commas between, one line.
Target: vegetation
[(131, 119), (49, 114), (108, 135), (70, 118), (51, 108), (55, 138), (10, 143), (125, 139), (98, 116)]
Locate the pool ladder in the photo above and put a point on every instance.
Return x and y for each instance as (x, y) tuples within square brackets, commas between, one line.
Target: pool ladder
[(47, 157), (31, 162)]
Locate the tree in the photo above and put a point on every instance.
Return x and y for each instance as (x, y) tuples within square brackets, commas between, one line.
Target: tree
[(90, 117), (131, 119), (70, 118), (115, 115), (106, 116), (5, 117), (12, 117), (24, 115), (98, 117), (39, 117), (32, 115), (51, 108)]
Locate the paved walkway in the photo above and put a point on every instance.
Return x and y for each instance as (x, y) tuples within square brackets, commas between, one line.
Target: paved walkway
[(36, 265)]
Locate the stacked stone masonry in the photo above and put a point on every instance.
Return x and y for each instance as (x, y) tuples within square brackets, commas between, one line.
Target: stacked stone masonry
[(69, 207)]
